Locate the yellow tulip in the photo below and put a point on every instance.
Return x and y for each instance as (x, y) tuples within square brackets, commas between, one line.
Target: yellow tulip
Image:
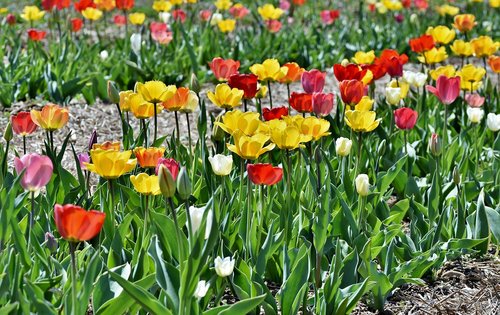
[(3, 10), (51, 117), (471, 77), (435, 55), (137, 18), (461, 48), (286, 133), (441, 34), (124, 100), (146, 184), (464, 22), (108, 145), (141, 108), (269, 70), (484, 46), (495, 3), (315, 127), (110, 164), (155, 91), (269, 12), (403, 85), (262, 92), (250, 148), (448, 71), (223, 5), (361, 121), (366, 103), (248, 123), (32, 13), (447, 10), (364, 58), (92, 14), (393, 5), (226, 26), (225, 97), (176, 2), (162, 6)]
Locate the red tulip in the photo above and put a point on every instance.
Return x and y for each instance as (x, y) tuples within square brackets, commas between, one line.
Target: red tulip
[(22, 124), (301, 102), (59, 4), (76, 24), (349, 72), (422, 4), (223, 69), (273, 26), (205, 15), (124, 4), (179, 15), (76, 224), (11, 19), (406, 3), (120, 20), (446, 90), (313, 81), (393, 62), (328, 17), (37, 170), (351, 91), (264, 174), (405, 118), (323, 103), (422, 44), (377, 70), (274, 113), (84, 4), (171, 164), (36, 35), (245, 82)]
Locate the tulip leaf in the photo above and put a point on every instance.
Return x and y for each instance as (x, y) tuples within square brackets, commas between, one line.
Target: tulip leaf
[(482, 229), (241, 307)]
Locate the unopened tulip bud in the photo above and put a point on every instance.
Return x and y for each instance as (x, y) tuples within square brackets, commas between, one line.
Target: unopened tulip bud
[(435, 145), (224, 267), (183, 184), (493, 122), (8, 134), (11, 19), (50, 242), (475, 114), (92, 140), (195, 84), (456, 176), (414, 18), (343, 146), (217, 133), (166, 182), (113, 93), (381, 148), (201, 289), (362, 185)]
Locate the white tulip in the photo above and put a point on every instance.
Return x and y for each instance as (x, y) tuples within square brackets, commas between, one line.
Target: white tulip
[(493, 122), (362, 185), (224, 267), (196, 215), (136, 43), (416, 79), (104, 55), (165, 17), (201, 289), (221, 164), (216, 18), (343, 146), (393, 95), (475, 114)]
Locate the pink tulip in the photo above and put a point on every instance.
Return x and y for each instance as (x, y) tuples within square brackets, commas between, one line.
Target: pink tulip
[(323, 103), (37, 170), (446, 90), (474, 100), (83, 158), (171, 164), (313, 81)]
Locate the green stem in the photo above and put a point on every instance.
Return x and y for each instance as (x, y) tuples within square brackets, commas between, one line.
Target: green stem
[(24, 145), (360, 145), (72, 248), (248, 217), (155, 135), (190, 230), (286, 259)]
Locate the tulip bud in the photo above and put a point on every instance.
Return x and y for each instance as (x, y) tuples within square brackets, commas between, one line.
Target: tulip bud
[(183, 184), (217, 133), (414, 18), (435, 145), (201, 289), (475, 114), (195, 84), (11, 19), (50, 242), (113, 93), (93, 139), (456, 176), (166, 182), (393, 95), (8, 134), (196, 214), (381, 148), (104, 55), (343, 146), (136, 43), (493, 122), (224, 267), (362, 185)]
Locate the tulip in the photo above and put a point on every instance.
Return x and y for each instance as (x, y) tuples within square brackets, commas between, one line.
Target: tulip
[(37, 171), (32, 13), (264, 174), (216, 18), (250, 147), (36, 35), (461, 48), (361, 121), (141, 108), (7, 134), (433, 56), (105, 5), (351, 91), (349, 72), (393, 62), (224, 267), (146, 184), (484, 46), (471, 77), (446, 90), (475, 114), (405, 118), (366, 103), (50, 242), (269, 12), (287, 135), (224, 69), (166, 182), (416, 79), (124, 4), (22, 124), (362, 185), (474, 100), (493, 122), (323, 104), (196, 214), (194, 83), (108, 145), (184, 184), (155, 91), (124, 100), (110, 164), (293, 74), (435, 145), (274, 113), (464, 22), (171, 164), (148, 157), (447, 71), (136, 43), (92, 14), (225, 97), (51, 117), (273, 26), (221, 164), (223, 5), (328, 17), (246, 122), (447, 9), (269, 70), (377, 70), (201, 289), (226, 26), (441, 34), (315, 127), (343, 146), (75, 224), (137, 18), (245, 82), (494, 62), (83, 158), (162, 6), (313, 81), (11, 19), (393, 95), (301, 102), (183, 99), (364, 58), (422, 44)]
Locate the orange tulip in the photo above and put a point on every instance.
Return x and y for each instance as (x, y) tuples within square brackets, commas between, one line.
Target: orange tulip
[(76, 224), (51, 117), (108, 145), (494, 62), (181, 97), (464, 22), (148, 157), (294, 73)]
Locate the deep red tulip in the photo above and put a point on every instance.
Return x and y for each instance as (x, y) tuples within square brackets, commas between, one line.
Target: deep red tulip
[(179, 15), (76, 25), (406, 3), (446, 90), (171, 164), (22, 124), (223, 69), (422, 44), (301, 102), (84, 4), (76, 224), (313, 81), (393, 62), (349, 72), (264, 174), (274, 113), (11, 19), (245, 82), (351, 91), (323, 103), (399, 18), (36, 35), (124, 4), (48, 5), (405, 118)]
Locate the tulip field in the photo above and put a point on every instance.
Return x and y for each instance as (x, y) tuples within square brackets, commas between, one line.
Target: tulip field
[(250, 157)]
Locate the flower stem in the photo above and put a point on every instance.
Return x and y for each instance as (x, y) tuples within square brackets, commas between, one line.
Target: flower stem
[(286, 259), (72, 248), (177, 128), (155, 135), (24, 145)]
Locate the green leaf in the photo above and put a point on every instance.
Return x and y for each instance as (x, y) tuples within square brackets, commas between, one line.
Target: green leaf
[(482, 229), (241, 307)]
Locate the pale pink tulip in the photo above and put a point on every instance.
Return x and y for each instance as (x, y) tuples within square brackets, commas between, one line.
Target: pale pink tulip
[(37, 170), (474, 100)]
